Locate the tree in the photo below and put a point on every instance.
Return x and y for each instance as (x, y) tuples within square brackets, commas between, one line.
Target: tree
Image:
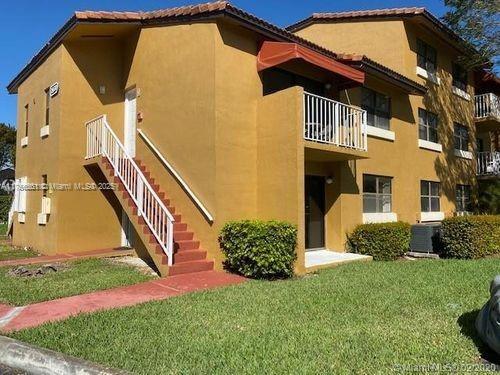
[(478, 23), (7, 146)]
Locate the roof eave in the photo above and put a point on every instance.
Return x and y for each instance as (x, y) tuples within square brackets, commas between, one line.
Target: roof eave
[(404, 83)]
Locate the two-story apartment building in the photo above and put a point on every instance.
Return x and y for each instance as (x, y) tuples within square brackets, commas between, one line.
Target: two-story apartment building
[(205, 114)]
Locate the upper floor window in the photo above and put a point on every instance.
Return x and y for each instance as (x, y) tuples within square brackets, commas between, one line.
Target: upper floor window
[(377, 108), (459, 77), (26, 119), (427, 126), (461, 137), (463, 198), (430, 193), (377, 194), (426, 56), (47, 106)]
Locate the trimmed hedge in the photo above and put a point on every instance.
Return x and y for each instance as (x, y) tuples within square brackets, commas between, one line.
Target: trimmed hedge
[(384, 241), (259, 249), (470, 237), (5, 203)]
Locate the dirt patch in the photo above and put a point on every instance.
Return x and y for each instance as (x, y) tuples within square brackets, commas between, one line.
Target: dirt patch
[(46, 269), (137, 263)]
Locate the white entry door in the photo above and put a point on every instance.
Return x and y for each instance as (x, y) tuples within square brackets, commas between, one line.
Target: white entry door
[(130, 122)]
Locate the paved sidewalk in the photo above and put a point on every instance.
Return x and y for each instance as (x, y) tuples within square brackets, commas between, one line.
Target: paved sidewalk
[(102, 253), (17, 318)]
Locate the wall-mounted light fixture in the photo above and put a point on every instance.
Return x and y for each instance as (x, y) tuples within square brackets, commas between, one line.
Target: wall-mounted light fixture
[(102, 89), (328, 86), (329, 180)]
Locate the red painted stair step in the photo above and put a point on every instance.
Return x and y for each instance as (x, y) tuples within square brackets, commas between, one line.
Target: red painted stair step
[(188, 267), (189, 256), (186, 245), (179, 227), (179, 236)]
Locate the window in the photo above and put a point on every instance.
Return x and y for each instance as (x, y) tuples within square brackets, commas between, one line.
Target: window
[(377, 194), (47, 106), (427, 126), (430, 193), (459, 77), (463, 196), (426, 57), (461, 137), (45, 186), (377, 108), (26, 119)]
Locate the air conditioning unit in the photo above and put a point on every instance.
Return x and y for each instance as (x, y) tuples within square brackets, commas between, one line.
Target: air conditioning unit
[(21, 217), (46, 205), (41, 219), (44, 131), (425, 238), (24, 141)]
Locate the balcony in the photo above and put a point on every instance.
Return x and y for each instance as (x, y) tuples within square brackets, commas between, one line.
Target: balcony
[(329, 122), (488, 164), (487, 111)]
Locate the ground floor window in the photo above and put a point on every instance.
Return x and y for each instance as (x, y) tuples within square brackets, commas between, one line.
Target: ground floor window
[(463, 197), (377, 194), (430, 193)]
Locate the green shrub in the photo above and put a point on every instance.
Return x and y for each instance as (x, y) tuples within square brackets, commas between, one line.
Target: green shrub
[(384, 241), (469, 237), (5, 202), (259, 249)]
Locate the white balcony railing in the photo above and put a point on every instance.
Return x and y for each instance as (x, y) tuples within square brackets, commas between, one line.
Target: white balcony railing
[(487, 105), (331, 122), (102, 141), (488, 163)]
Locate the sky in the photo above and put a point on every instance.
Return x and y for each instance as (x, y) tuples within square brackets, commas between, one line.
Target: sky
[(28, 24)]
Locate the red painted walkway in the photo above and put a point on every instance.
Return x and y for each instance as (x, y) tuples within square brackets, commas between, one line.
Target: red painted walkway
[(102, 253), (16, 318)]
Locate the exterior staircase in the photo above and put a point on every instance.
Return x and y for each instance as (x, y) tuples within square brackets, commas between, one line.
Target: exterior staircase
[(188, 257), (167, 239)]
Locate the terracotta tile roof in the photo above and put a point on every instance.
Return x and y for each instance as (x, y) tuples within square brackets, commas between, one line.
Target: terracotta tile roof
[(384, 13), (370, 13), (187, 13)]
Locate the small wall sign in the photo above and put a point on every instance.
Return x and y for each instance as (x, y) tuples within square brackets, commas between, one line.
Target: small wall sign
[(54, 89)]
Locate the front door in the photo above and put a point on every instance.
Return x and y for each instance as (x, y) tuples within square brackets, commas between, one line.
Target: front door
[(315, 212), (129, 131)]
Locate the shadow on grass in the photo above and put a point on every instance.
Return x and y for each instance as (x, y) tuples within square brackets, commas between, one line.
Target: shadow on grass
[(467, 322)]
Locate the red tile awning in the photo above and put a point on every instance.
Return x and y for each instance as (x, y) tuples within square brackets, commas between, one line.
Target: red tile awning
[(276, 53)]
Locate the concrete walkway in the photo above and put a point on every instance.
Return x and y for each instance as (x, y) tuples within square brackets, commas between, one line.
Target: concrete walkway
[(17, 318), (102, 253)]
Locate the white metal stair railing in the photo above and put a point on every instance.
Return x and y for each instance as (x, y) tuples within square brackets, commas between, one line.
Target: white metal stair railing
[(331, 122), (102, 141)]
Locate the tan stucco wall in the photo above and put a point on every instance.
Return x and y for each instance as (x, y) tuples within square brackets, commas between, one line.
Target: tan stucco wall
[(41, 155), (79, 220), (384, 40), (393, 44), (280, 162)]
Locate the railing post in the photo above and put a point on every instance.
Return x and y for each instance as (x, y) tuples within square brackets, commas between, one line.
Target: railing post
[(170, 243), (140, 195)]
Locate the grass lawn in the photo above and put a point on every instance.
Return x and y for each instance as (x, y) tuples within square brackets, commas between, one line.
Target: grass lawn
[(81, 276), (3, 229), (9, 253), (357, 318)]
